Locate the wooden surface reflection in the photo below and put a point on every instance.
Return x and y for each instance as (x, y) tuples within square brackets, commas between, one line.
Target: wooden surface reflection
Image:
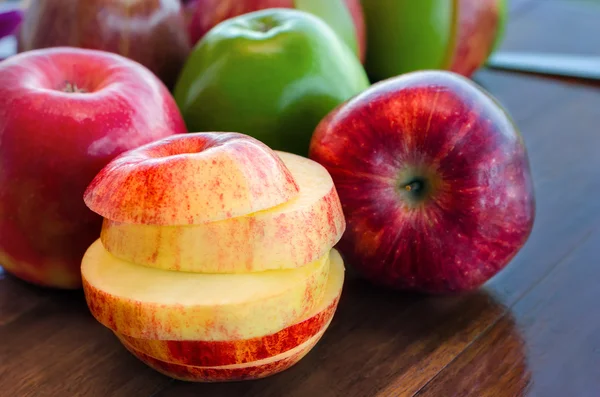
[(494, 365), (533, 330), (379, 342)]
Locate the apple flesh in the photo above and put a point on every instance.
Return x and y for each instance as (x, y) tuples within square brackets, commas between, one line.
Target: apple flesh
[(151, 32), (150, 303), (64, 114), (290, 235), (344, 16), (228, 373), (434, 180), (190, 179), (242, 351)]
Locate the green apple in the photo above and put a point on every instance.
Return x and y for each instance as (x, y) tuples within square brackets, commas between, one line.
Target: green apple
[(344, 16), (408, 35), (271, 74)]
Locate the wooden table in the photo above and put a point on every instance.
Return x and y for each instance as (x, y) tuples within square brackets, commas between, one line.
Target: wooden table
[(533, 330)]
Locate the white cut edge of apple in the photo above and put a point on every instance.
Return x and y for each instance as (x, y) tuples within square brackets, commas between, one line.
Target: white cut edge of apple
[(178, 288)]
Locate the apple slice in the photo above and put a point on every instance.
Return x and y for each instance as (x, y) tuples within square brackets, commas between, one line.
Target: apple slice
[(152, 303), (228, 373), (190, 179), (215, 353), (287, 236)]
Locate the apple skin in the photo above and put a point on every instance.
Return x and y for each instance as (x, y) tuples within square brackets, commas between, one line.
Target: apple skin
[(191, 178), (434, 180), (406, 35), (287, 236), (348, 22), (53, 143), (248, 371), (217, 353), (151, 32)]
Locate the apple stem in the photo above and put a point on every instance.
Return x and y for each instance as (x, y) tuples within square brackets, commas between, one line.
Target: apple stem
[(70, 87)]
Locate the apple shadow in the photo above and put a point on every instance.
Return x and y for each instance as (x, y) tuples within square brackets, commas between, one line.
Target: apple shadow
[(391, 342)]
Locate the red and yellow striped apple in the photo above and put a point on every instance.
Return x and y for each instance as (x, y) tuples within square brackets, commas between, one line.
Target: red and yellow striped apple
[(190, 179), (289, 235), (242, 351), (149, 303), (64, 114), (228, 373), (219, 262), (434, 180)]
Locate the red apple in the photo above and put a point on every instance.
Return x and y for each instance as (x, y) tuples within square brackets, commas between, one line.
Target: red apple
[(434, 181), (151, 32), (64, 114), (480, 28), (347, 21)]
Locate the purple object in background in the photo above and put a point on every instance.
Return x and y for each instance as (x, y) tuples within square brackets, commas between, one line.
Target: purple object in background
[(9, 21), (11, 16)]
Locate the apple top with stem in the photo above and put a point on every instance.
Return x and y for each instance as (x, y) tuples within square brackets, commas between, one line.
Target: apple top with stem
[(151, 32), (345, 17), (272, 74), (434, 180), (191, 178)]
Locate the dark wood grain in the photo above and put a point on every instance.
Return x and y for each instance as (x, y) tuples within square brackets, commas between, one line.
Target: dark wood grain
[(494, 365), (58, 349), (533, 329), (17, 297), (558, 323)]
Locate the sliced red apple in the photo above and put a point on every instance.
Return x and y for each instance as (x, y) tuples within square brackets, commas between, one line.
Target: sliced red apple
[(287, 236), (190, 179), (152, 303), (215, 353), (227, 373)]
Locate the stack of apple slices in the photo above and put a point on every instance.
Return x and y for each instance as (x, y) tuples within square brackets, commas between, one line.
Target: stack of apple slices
[(215, 260)]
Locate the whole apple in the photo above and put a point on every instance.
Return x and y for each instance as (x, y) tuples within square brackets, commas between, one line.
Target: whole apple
[(344, 16), (406, 35), (151, 32), (64, 114), (434, 181), (271, 74)]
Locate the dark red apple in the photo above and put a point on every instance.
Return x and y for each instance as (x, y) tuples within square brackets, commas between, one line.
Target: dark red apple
[(434, 180), (151, 32), (344, 16), (64, 114)]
